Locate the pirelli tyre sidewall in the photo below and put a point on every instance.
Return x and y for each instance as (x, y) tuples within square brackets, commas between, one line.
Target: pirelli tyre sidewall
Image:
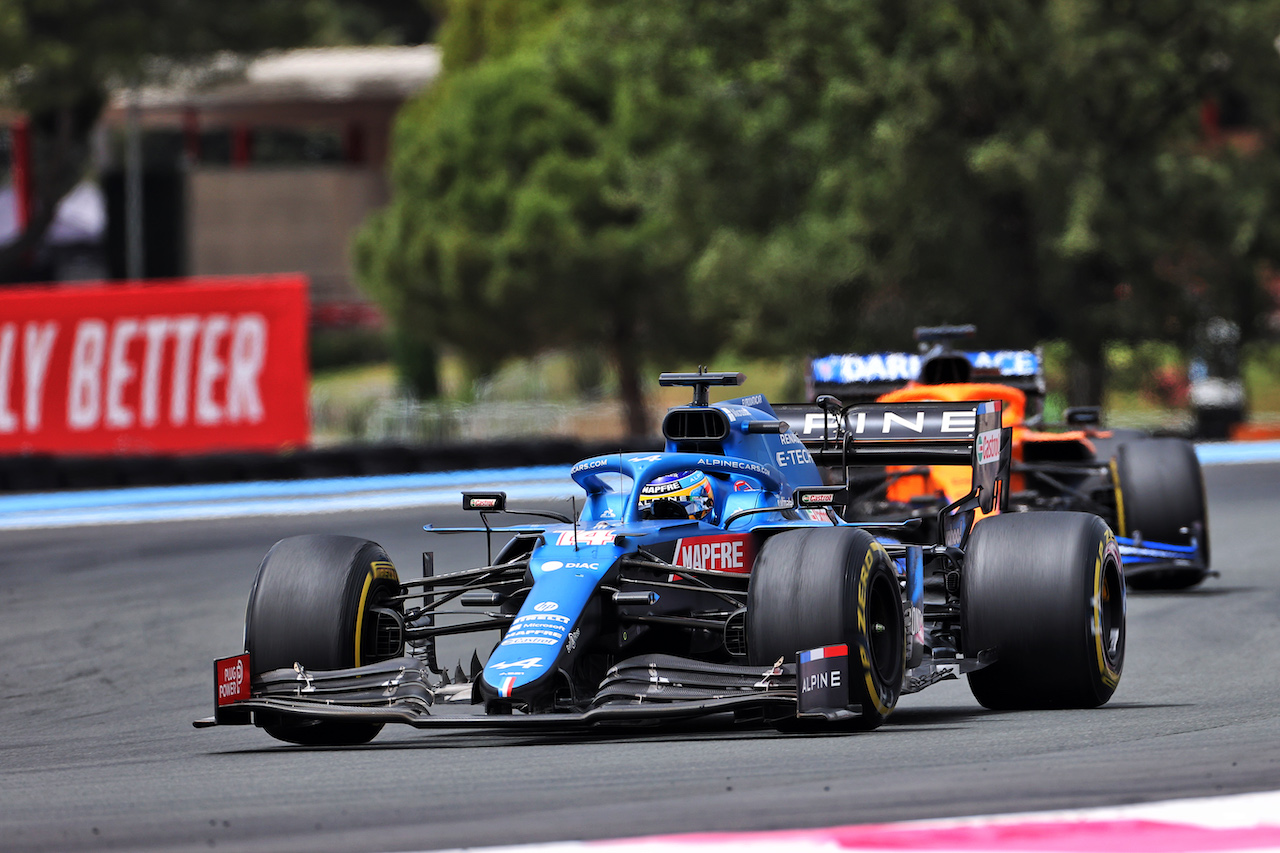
[(1044, 592), (829, 586), (310, 605)]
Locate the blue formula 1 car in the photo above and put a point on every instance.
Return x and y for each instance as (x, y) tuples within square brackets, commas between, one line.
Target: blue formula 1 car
[(711, 578)]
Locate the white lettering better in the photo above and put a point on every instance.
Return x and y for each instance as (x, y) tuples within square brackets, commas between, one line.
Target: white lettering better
[(209, 369)]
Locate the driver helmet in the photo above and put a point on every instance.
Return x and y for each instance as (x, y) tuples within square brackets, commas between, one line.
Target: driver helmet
[(685, 494)]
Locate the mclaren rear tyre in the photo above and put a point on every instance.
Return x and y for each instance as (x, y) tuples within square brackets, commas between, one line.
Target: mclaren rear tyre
[(831, 586), (313, 604), (1044, 592), (1160, 493)]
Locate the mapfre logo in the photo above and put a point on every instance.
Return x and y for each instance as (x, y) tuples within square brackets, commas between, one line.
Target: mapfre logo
[(733, 553), (232, 679)]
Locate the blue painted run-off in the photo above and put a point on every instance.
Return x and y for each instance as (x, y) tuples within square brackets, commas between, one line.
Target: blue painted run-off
[(348, 494), (275, 488), (1238, 452), (279, 497)]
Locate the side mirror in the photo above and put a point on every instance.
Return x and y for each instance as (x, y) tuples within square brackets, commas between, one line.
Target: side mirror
[(484, 501), (1084, 416)]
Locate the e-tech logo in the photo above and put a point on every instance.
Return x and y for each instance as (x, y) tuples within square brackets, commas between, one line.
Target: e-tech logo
[(786, 458), (988, 447)]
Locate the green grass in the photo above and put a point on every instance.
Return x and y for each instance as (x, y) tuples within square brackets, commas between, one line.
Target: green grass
[(343, 400)]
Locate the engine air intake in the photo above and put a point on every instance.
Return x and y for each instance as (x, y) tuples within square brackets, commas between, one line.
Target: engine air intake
[(695, 424)]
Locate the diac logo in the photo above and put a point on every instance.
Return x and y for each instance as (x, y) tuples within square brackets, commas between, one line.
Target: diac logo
[(552, 565), (546, 606)]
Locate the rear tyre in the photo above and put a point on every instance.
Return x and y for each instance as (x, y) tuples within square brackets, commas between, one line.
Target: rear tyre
[(828, 586), (1159, 492), (310, 605), (1045, 592)]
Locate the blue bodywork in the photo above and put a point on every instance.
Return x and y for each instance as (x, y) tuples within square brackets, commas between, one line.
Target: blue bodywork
[(751, 471), (1135, 553)]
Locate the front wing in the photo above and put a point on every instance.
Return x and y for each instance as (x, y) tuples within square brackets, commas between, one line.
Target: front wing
[(649, 688), (1141, 557)]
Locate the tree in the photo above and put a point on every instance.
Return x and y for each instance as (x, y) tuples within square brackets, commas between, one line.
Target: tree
[(790, 177), (1039, 169), (514, 226)]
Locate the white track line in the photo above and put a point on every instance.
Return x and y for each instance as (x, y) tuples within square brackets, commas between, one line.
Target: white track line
[(1233, 824)]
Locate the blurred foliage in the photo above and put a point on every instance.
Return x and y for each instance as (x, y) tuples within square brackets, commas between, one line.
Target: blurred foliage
[(516, 225), (671, 177), (477, 30), (347, 346), (59, 59)]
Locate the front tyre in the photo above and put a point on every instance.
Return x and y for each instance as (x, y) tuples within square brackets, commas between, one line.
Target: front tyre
[(311, 604), (1159, 493), (1045, 592), (830, 586)]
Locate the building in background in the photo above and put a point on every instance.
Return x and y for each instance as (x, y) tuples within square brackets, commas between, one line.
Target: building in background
[(263, 167)]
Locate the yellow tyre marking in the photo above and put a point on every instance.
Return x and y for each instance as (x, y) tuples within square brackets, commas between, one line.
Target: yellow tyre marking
[(364, 596), (378, 569), (1115, 479), (864, 642), (1109, 676)]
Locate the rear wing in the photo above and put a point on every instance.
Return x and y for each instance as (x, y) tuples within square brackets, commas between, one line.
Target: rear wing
[(865, 377), (884, 434)]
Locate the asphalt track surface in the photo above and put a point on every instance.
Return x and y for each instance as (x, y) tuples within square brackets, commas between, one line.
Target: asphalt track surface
[(109, 632)]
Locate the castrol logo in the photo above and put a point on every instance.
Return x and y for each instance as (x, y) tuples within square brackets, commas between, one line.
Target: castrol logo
[(988, 447)]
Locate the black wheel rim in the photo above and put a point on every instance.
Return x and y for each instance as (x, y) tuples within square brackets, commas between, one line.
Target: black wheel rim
[(884, 640), (1111, 609)]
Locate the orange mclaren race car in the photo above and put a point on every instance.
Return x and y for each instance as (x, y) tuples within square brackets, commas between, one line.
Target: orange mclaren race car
[(1148, 489)]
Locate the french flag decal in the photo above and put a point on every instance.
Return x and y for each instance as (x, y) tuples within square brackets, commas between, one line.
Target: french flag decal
[(504, 690), (824, 652)]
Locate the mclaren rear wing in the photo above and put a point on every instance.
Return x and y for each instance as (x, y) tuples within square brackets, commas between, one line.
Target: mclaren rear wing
[(866, 376), (910, 434)]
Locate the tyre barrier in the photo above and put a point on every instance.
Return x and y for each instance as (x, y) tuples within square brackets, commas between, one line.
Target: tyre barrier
[(42, 473)]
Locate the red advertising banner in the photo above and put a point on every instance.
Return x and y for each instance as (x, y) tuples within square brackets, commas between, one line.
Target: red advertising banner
[(182, 366)]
